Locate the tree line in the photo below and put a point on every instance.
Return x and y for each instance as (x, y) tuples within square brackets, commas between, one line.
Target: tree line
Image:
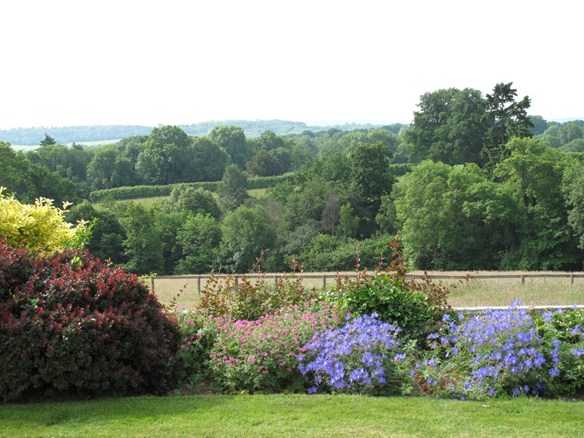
[(475, 182)]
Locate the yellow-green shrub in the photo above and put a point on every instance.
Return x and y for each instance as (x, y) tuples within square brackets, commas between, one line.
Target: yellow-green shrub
[(38, 226)]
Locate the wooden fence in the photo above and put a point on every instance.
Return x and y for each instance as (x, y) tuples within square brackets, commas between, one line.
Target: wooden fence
[(322, 279)]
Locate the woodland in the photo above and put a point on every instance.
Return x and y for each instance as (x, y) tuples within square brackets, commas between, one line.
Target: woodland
[(475, 182)]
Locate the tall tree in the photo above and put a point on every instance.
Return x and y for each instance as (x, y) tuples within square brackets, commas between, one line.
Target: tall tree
[(507, 118), (450, 126), (48, 140), (233, 189), (232, 140)]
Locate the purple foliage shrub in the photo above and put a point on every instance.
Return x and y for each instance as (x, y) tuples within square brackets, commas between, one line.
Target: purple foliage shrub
[(70, 324)]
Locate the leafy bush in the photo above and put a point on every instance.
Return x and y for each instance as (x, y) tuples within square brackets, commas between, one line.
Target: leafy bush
[(356, 358), (415, 306), (70, 324), (246, 298), (261, 355), (198, 334), (39, 226)]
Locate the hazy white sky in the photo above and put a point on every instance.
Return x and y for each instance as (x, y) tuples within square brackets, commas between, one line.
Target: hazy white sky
[(75, 62)]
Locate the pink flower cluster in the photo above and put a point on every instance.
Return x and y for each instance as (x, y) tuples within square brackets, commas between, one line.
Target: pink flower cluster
[(261, 355)]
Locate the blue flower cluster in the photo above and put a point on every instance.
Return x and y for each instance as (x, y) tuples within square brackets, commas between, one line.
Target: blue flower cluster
[(354, 358), (498, 350)]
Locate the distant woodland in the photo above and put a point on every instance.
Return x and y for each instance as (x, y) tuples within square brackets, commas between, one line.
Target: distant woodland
[(474, 182)]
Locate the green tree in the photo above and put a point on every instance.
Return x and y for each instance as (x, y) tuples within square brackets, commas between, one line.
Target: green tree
[(29, 181), (107, 233), (208, 160), (233, 189), (195, 201), (454, 218), (507, 118), (371, 175), (48, 140), (534, 175), (232, 140), (450, 126), (199, 238), (573, 190), (109, 168), (245, 234), (143, 246), (165, 158)]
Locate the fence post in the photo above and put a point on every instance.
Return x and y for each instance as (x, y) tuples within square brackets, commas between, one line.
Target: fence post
[(199, 285), (324, 281), (151, 284), (571, 278), (522, 279)]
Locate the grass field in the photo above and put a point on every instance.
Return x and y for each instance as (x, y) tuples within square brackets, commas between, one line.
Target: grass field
[(467, 293), (294, 416)]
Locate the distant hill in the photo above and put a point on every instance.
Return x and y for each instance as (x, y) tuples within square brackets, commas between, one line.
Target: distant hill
[(97, 133)]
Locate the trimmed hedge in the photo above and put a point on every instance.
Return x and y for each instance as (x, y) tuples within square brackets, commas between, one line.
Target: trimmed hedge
[(70, 324), (136, 192)]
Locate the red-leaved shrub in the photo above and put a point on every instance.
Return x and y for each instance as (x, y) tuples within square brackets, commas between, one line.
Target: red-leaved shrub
[(71, 324)]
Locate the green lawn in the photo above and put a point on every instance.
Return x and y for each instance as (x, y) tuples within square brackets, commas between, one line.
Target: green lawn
[(293, 415)]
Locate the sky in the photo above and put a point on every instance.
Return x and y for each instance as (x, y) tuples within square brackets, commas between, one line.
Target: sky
[(75, 62)]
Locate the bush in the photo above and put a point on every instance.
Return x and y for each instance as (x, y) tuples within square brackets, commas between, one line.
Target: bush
[(38, 226), (261, 355), (246, 298), (198, 334), (70, 324), (357, 358), (415, 306)]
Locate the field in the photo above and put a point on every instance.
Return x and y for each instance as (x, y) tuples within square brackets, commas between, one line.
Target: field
[(293, 415), (474, 292)]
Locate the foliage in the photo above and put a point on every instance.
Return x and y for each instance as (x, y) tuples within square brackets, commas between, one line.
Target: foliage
[(70, 324), (28, 180), (261, 355), (233, 188), (107, 233), (40, 226), (198, 331), (356, 358), (250, 299), (450, 127), (245, 233), (507, 118), (199, 239), (143, 244), (415, 306)]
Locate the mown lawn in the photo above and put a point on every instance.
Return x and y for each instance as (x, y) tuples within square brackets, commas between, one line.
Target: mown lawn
[(293, 415)]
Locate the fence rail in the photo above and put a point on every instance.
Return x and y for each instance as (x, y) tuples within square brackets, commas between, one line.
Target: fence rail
[(323, 278)]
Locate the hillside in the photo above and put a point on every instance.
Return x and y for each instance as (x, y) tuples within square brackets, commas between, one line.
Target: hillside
[(97, 133)]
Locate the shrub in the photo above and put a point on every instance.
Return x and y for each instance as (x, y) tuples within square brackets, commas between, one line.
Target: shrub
[(198, 335), (39, 226), (70, 324), (356, 358), (261, 355), (246, 298), (415, 306)]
